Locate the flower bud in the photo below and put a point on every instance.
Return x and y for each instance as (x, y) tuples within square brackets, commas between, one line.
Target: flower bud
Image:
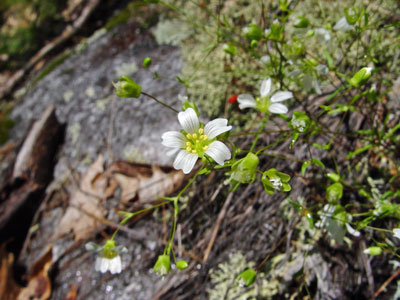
[(247, 277), (147, 62), (301, 22), (182, 264), (374, 251), (163, 265), (230, 49), (253, 32), (127, 88), (275, 32), (253, 44), (361, 77), (334, 192), (352, 16), (245, 169)]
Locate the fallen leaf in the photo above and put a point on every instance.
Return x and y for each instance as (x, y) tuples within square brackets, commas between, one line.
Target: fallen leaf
[(8, 288), (145, 182), (39, 285), (72, 293), (85, 210)]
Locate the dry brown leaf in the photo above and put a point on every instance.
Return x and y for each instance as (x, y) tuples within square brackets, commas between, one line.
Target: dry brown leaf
[(8, 288), (85, 210), (39, 286), (145, 182), (73, 292)]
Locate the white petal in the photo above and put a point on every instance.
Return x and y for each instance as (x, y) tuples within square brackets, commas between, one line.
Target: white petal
[(216, 127), (352, 231), (189, 120), (265, 87), (278, 108), (173, 139), (396, 232), (115, 265), (246, 100), (185, 161), (97, 264), (104, 265), (172, 152), (281, 96), (219, 152)]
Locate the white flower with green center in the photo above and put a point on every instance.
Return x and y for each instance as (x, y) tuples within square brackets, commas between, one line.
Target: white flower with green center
[(196, 141), (108, 256), (266, 103)]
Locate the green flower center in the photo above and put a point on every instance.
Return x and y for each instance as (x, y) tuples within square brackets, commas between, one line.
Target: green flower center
[(109, 250), (197, 143), (263, 104)]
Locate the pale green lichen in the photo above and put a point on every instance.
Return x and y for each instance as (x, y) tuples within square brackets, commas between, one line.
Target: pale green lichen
[(171, 32), (133, 154), (74, 131), (127, 69), (67, 96), (102, 103)]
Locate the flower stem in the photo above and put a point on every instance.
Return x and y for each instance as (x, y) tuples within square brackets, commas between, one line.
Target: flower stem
[(168, 247), (160, 102), (259, 132)]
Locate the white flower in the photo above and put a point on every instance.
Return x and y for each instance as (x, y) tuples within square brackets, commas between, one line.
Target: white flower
[(104, 264), (323, 34), (194, 141), (108, 256), (396, 232), (343, 26), (265, 103)]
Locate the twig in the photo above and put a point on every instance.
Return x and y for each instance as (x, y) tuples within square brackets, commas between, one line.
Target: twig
[(217, 225), (389, 280)]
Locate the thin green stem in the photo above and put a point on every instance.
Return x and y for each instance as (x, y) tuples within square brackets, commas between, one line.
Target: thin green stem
[(130, 215), (171, 236), (160, 102), (259, 132)]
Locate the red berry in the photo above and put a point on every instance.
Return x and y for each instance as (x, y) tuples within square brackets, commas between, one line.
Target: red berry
[(232, 99)]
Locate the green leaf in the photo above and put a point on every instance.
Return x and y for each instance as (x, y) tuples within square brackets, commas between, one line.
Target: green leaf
[(304, 166), (358, 151), (333, 176), (247, 277), (318, 162), (324, 147)]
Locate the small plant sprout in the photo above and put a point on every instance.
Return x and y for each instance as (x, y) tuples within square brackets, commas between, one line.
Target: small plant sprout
[(265, 103), (196, 140), (108, 256)]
